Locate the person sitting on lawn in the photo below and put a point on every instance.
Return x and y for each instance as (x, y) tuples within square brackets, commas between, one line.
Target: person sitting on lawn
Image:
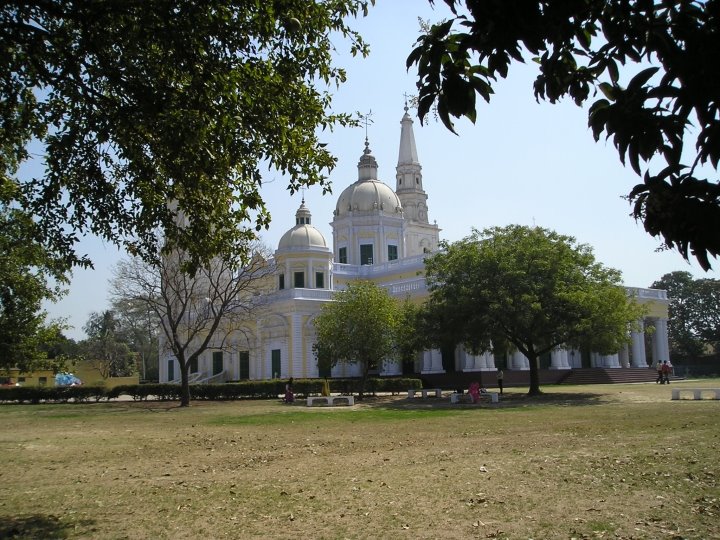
[(474, 391)]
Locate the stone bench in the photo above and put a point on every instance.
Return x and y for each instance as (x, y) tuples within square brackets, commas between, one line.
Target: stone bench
[(424, 392), (330, 400), (459, 398), (697, 393)]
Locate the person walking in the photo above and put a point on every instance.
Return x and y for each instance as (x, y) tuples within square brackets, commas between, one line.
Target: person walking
[(665, 372), (659, 373), (500, 377)]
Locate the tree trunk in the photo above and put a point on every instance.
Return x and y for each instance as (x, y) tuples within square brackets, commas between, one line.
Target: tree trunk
[(184, 384), (534, 362), (363, 380)]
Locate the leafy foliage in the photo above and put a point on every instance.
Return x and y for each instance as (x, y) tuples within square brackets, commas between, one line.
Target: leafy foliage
[(134, 104), (106, 350), (694, 323), (139, 327), (29, 275), (358, 326), (529, 287), (588, 50)]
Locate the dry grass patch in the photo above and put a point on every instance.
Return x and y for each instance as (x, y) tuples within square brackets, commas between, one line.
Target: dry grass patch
[(616, 461)]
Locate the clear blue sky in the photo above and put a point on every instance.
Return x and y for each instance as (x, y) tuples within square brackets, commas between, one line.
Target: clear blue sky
[(522, 162)]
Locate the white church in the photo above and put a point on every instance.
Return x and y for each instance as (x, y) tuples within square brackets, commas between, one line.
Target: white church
[(382, 235)]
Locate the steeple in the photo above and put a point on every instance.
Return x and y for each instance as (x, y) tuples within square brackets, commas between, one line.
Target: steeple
[(408, 152), (409, 186)]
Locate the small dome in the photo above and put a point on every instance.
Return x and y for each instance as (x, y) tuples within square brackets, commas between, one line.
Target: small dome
[(368, 196), (302, 236)]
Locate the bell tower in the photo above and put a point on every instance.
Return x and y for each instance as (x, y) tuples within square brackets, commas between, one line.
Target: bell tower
[(421, 235)]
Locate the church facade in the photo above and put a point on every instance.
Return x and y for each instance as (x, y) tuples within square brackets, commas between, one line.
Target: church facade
[(382, 235)]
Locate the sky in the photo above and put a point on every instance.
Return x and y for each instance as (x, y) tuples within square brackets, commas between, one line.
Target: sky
[(522, 162)]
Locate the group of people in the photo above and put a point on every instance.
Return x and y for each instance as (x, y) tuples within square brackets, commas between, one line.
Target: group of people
[(663, 371)]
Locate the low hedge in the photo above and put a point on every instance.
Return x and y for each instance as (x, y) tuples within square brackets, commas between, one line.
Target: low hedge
[(38, 394), (209, 392)]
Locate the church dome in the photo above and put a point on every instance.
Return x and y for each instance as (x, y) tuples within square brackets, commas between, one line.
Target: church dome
[(302, 235), (368, 194)]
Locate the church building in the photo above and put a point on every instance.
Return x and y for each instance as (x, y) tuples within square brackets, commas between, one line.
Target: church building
[(382, 235)]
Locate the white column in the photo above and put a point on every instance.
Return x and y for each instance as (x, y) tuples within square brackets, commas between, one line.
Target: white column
[(295, 368), (466, 360), (575, 359), (639, 359), (661, 337), (559, 359), (489, 361), (310, 283), (520, 361), (257, 370), (656, 352), (390, 367), (624, 356), (612, 361), (432, 362)]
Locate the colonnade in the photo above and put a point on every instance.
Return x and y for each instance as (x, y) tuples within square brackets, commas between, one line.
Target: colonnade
[(632, 355)]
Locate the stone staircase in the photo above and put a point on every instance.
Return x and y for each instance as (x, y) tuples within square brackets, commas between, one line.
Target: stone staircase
[(460, 380), (612, 376)]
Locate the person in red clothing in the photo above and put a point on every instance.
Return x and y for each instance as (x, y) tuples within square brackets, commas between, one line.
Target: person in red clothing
[(289, 392), (665, 372)]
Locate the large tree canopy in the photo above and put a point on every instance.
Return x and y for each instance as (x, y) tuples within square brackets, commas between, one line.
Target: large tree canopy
[(530, 287), (650, 69), (135, 104), (29, 275), (358, 326), (694, 324)]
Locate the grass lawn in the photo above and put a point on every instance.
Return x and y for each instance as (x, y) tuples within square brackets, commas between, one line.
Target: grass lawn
[(600, 461)]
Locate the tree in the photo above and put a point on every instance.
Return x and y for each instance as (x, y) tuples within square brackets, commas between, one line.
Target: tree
[(653, 64), (694, 322), (681, 334), (135, 104), (213, 308), (530, 287), (358, 327), (105, 350), (139, 327), (29, 275), (707, 310)]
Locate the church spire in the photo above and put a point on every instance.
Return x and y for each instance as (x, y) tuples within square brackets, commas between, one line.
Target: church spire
[(409, 186), (408, 152)]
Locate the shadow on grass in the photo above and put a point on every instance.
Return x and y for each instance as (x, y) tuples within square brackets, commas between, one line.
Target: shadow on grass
[(507, 401), (41, 526)]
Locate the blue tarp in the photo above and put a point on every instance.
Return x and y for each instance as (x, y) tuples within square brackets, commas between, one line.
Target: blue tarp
[(66, 379)]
